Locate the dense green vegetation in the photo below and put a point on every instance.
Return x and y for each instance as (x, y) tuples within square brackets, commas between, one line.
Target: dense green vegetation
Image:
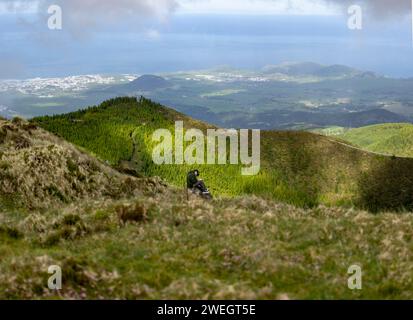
[(299, 168), (392, 139), (111, 130)]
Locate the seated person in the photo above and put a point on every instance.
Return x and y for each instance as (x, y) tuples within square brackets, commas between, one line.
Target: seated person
[(192, 181)]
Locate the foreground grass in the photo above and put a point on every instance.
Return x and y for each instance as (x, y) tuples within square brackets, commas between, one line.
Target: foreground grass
[(170, 248)]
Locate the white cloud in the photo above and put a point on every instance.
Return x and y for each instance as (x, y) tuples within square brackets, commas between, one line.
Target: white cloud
[(83, 17), (161, 9), (258, 7), (20, 6), (152, 34), (379, 8), (157, 8)]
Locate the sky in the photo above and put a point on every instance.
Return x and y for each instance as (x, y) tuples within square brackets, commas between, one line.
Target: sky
[(257, 7), (195, 6), (254, 7), (155, 36)]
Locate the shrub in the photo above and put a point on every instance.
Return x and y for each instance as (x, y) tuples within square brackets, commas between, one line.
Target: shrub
[(71, 219), (3, 135), (17, 120), (55, 192), (132, 213), (11, 233), (72, 166), (389, 186), (21, 142), (101, 215), (4, 165)]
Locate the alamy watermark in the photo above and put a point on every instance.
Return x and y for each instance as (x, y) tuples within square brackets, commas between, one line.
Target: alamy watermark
[(208, 149), (55, 21), (355, 21), (354, 282), (55, 281)]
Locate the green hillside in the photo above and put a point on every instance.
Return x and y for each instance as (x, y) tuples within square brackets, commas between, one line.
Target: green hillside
[(393, 138), (299, 168), (120, 237)]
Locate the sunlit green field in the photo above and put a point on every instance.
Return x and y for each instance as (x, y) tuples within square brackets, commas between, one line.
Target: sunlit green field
[(392, 139)]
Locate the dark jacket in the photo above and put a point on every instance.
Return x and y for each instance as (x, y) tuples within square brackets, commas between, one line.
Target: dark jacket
[(191, 180)]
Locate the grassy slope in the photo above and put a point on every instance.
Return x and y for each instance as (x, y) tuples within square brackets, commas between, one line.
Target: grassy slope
[(299, 168), (172, 248), (393, 139), (244, 248), (39, 170)]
